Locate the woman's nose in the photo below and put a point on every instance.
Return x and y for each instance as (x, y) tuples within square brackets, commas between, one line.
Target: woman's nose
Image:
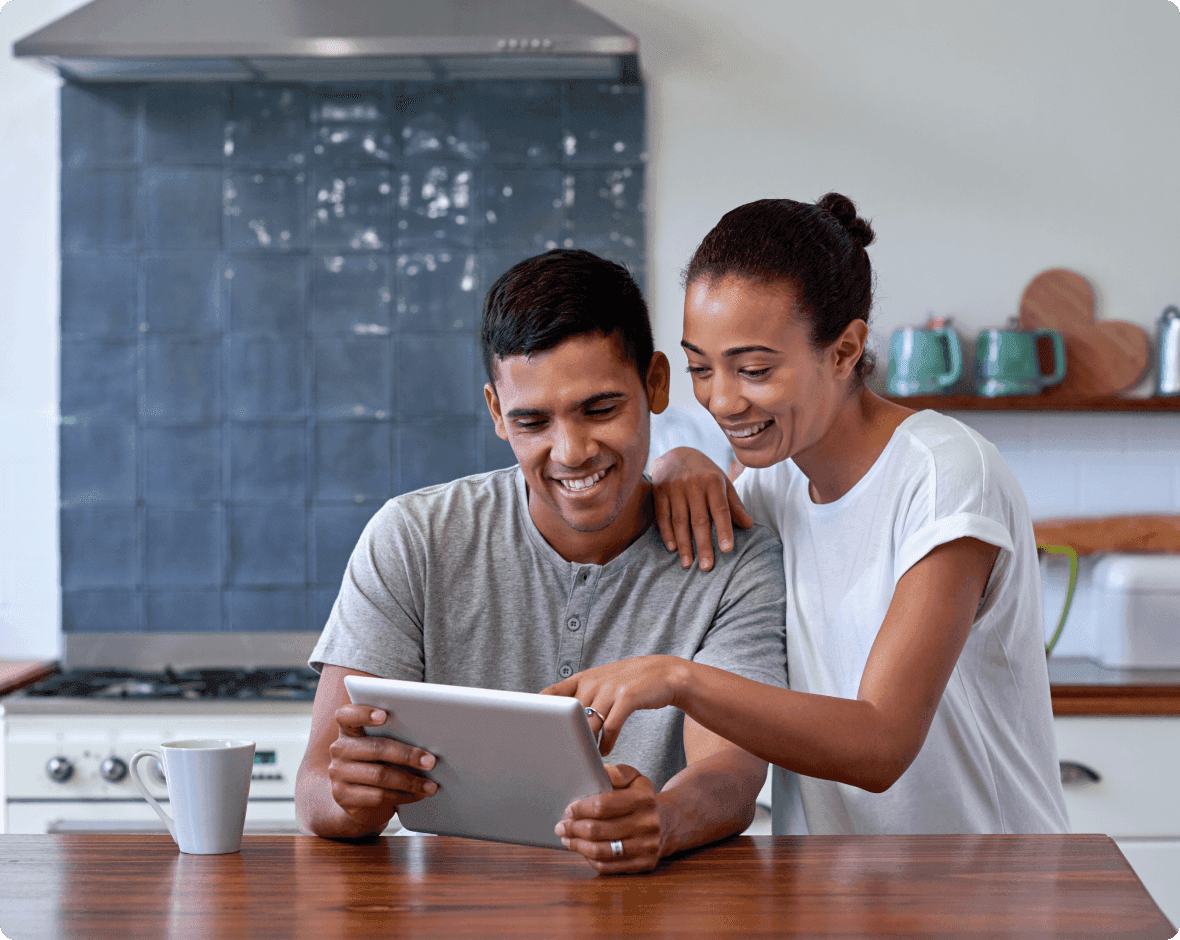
[(725, 396)]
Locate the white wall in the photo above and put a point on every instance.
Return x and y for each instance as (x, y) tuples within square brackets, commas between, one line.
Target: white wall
[(987, 142), (29, 598)]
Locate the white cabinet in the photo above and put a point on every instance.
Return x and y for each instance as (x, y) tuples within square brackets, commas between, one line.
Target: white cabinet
[(1134, 800)]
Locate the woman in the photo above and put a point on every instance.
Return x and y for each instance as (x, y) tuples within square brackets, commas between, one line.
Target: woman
[(919, 697)]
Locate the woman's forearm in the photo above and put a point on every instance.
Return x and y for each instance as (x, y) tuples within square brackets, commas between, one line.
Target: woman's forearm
[(847, 740)]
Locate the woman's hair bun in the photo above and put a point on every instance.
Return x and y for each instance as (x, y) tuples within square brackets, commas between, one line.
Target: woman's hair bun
[(841, 208)]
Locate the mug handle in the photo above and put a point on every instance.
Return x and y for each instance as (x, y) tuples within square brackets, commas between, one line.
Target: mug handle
[(954, 358), (133, 767), (1058, 356), (1072, 555)]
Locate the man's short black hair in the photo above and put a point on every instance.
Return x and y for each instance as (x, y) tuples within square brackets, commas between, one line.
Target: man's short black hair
[(539, 303)]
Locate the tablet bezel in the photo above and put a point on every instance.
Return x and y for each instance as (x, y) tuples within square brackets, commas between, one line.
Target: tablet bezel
[(509, 763)]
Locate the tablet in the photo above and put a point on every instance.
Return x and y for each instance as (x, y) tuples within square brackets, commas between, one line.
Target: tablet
[(507, 763)]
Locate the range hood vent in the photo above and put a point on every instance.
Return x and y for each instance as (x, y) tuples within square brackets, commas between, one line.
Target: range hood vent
[(332, 41)]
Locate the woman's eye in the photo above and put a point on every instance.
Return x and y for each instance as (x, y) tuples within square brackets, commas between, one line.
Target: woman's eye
[(755, 373), (697, 370)]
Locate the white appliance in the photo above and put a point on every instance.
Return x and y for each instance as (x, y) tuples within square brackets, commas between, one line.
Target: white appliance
[(63, 765), (1138, 602)]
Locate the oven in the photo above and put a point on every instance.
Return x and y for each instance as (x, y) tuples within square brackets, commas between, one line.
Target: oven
[(68, 740)]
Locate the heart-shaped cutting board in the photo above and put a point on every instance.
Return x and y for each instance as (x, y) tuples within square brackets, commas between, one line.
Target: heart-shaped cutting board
[(1102, 357)]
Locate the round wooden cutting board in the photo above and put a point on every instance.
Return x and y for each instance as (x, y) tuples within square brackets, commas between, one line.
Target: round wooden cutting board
[(1102, 357)]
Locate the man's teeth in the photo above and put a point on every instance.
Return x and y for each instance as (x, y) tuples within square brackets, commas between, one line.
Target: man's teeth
[(583, 483), (750, 432)]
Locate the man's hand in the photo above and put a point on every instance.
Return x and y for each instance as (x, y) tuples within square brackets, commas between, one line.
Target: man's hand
[(372, 776), (629, 816)]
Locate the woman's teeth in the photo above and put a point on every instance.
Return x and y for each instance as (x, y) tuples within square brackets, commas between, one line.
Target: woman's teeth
[(584, 483), (750, 431)]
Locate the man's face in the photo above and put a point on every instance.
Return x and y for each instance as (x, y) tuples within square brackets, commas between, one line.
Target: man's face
[(577, 418)]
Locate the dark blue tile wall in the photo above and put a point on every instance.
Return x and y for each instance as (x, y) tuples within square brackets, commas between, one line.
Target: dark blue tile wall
[(261, 286)]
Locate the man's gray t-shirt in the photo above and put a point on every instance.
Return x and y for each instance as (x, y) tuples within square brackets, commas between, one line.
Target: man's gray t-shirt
[(455, 584)]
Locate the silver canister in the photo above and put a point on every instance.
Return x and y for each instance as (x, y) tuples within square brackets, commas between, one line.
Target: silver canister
[(1168, 353)]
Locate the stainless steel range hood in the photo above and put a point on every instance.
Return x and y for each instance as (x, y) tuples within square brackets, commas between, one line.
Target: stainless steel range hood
[(332, 41)]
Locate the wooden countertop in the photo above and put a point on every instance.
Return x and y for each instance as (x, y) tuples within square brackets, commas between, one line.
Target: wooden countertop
[(290, 887), (1086, 687), (16, 675)]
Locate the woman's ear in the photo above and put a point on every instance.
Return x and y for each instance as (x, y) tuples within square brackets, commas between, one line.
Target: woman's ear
[(659, 375), (849, 347)]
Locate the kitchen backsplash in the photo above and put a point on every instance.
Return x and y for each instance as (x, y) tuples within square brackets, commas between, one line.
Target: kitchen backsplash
[(269, 320)]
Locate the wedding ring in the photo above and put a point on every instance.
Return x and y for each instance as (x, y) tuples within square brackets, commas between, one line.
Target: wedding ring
[(593, 711), (616, 848)]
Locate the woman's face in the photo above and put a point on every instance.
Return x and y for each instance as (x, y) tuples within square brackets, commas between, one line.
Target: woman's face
[(753, 366)]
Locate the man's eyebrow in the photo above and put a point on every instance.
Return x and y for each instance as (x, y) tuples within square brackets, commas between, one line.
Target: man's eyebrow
[(735, 351), (581, 406)]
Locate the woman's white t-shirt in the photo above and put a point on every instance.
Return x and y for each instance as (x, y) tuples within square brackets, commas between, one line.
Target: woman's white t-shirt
[(989, 762)]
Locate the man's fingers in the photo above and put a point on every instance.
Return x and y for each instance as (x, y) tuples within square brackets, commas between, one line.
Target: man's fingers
[(354, 745), (353, 719), (621, 775)]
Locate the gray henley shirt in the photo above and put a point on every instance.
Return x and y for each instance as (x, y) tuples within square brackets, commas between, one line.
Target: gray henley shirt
[(455, 584)]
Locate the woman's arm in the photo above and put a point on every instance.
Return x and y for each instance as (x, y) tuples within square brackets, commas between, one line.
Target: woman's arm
[(868, 741), (692, 497)]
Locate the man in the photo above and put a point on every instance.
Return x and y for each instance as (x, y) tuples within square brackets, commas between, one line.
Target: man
[(518, 578)]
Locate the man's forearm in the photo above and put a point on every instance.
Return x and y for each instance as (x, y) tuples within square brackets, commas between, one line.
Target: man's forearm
[(710, 799)]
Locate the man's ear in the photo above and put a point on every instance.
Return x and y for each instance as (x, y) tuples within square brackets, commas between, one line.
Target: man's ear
[(849, 347), (493, 400), (659, 375)]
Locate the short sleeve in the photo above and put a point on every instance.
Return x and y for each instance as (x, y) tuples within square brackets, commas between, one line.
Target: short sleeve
[(961, 491), (376, 622), (747, 633)]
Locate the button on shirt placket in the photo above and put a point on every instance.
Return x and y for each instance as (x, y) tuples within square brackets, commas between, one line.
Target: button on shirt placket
[(573, 625)]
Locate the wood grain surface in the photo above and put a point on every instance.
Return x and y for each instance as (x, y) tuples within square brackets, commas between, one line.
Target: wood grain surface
[(293, 887), (1101, 357), (16, 675), (1105, 534)]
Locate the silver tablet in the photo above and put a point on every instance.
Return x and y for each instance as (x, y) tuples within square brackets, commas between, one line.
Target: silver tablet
[(507, 763)]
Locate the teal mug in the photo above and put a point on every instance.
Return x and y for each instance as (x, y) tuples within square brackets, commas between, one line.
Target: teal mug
[(1012, 362), (924, 361)]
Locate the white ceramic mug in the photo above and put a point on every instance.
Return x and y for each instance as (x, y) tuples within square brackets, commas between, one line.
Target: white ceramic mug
[(208, 785)]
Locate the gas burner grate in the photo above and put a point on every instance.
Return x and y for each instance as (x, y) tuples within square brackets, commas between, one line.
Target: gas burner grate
[(283, 683)]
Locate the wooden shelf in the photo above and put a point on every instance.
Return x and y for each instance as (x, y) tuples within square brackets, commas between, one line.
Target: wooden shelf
[(1035, 403)]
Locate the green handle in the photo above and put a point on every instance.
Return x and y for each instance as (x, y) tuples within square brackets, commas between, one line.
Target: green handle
[(1073, 583), (954, 358)]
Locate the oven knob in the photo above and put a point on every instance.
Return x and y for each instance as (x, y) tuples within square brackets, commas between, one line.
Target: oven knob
[(156, 772), (113, 769), (59, 769)]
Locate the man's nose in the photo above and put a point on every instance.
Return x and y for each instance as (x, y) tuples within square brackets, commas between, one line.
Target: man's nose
[(573, 445)]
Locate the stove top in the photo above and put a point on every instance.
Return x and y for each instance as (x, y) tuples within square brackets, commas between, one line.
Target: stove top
[(267, 684)]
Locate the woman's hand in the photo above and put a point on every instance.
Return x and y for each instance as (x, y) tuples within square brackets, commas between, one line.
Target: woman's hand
[(628, 816), (618, 689), (693, 496)]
